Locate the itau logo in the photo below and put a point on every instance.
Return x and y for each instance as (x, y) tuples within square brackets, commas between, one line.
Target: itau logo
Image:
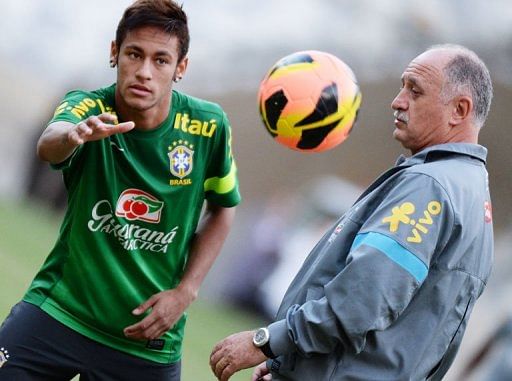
[(4, 356), (134, 204)]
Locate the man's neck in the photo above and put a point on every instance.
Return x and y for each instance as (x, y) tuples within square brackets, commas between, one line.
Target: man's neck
[(145, 120), (464, 134)]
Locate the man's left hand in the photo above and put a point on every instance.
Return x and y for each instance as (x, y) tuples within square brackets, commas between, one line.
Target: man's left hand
[(166, 308), (234, 353)]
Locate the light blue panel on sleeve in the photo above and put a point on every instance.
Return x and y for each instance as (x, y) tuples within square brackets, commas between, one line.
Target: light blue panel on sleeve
[(395, 251)]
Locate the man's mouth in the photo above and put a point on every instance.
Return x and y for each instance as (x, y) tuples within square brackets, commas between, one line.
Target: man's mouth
[(401, 117), (140, 90)]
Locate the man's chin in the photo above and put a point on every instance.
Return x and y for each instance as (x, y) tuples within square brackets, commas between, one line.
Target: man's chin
[(139, 104), (396, 135)]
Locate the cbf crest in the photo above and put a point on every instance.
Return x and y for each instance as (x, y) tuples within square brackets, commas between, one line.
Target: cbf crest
[(181, 157)]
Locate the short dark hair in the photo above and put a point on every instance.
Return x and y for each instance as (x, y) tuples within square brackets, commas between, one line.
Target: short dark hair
[(164, 14)]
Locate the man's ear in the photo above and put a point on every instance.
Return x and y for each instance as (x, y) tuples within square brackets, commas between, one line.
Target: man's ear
[(113, 54), (181, 68), (462, 108)]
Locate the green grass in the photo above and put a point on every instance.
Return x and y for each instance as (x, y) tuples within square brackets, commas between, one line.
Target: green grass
[(27, 233)]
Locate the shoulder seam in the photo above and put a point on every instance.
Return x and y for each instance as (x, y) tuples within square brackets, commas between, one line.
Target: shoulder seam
[(406, 172)]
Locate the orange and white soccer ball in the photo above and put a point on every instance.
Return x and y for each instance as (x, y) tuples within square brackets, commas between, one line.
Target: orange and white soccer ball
[(309, 101)]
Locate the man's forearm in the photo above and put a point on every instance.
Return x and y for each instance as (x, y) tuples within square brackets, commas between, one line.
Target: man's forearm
[(60, 139), (53, 145), (206, 246)]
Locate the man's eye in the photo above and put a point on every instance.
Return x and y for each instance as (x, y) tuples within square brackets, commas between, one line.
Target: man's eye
[(161, 61)]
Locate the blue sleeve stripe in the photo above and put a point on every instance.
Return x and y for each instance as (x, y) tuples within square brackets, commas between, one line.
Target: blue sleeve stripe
[(394, 251)]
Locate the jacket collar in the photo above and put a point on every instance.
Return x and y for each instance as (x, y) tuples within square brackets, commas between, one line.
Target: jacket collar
[(430, 153)]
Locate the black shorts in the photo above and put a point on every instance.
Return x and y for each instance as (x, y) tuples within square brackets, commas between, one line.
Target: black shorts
[(36, 347)]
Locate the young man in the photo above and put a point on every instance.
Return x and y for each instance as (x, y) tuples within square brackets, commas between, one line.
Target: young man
[(109, 301), (387, 292)]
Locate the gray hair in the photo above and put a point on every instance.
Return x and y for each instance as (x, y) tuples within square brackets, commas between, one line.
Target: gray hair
[(467, 74)]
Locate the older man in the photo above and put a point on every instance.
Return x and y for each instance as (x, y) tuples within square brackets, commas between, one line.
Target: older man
[(387, 292)]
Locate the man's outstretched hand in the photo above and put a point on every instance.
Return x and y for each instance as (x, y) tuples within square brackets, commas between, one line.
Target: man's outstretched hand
[(96, 128)]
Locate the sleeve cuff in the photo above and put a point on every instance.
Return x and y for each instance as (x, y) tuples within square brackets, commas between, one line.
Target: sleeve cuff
[(280, 341)]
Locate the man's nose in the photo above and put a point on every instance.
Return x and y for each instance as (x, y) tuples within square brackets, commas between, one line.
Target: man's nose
[(399, 103), (144, 70)]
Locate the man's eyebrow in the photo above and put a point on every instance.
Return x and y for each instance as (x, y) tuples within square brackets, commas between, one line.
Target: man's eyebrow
[(134, 47), (163, 53), (140, 50), (412, 80)]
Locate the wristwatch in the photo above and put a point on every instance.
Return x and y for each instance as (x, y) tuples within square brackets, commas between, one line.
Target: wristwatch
[(261, 339)]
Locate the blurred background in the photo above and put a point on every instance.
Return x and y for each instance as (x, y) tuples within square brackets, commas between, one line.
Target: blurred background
[(289, 198)]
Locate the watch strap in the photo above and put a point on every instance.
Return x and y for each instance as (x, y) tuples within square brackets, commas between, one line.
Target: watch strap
[(265, 348)]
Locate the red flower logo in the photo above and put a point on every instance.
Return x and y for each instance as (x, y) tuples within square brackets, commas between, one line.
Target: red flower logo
[(134, 204)]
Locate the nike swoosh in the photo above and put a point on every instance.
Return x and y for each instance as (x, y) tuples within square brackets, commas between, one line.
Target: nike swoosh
[(115, 145)]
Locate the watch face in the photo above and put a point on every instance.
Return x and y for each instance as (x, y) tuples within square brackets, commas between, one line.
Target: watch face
[(261, 337)]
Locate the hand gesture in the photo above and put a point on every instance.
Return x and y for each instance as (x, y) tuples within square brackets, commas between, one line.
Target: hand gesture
[(96, 128)]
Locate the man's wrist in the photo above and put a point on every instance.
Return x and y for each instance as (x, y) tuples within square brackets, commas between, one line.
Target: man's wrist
[(261, 339), (189, 291)]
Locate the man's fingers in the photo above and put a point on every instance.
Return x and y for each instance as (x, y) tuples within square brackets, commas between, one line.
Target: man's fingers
[(228, 371), (145, 306), (83, 129), (154, 331), (125, 127), (112, 129), (141, 325), (74, 138), (94, 122), (220, 367), (261, 373), (107, 118), (111, 121), (215, 356), (139, 329), (96, 128)]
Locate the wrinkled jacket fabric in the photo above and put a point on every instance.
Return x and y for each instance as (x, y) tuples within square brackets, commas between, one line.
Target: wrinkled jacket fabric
[(386, 294)]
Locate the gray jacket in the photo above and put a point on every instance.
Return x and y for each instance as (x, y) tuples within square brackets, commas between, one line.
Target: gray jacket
[(386, 294)]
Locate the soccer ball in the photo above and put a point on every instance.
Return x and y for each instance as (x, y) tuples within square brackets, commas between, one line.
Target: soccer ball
[(309, 101)]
